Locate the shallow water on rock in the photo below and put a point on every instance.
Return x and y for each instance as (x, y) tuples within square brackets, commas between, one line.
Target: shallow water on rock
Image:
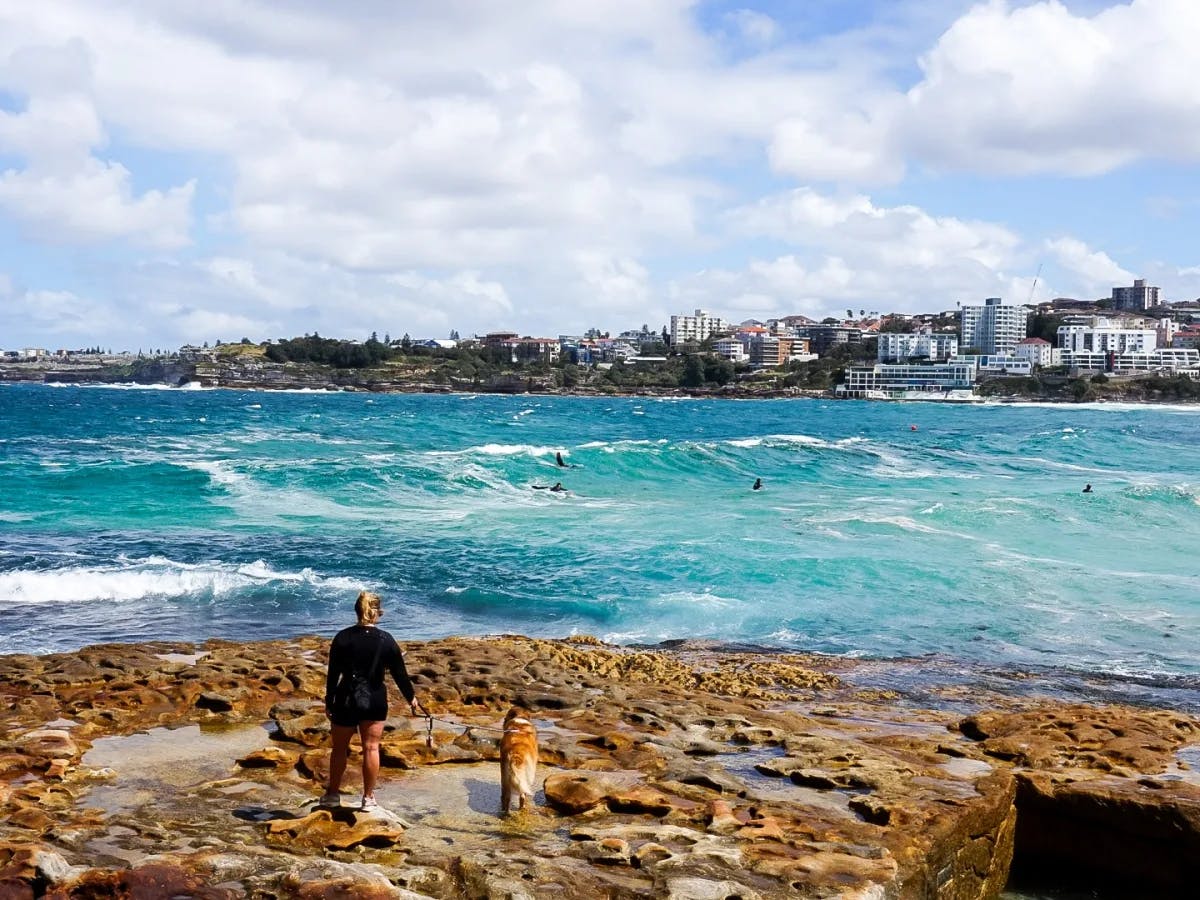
[(741, 765), (163, 762)]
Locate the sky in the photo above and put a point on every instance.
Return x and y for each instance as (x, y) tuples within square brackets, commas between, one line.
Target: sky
[(188, 172)]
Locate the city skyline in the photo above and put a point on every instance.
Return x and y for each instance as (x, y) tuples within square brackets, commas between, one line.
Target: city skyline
[(251, 169)]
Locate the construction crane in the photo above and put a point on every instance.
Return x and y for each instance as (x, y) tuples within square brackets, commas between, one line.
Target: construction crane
[(1034, 286)]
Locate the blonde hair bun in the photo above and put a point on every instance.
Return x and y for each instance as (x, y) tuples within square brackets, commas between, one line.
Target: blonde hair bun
[(368, 607)]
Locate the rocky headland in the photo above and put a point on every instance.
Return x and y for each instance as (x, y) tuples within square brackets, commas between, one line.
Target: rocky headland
[(171, 770)]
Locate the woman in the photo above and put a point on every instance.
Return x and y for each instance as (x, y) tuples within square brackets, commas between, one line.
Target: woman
[(358, 658)]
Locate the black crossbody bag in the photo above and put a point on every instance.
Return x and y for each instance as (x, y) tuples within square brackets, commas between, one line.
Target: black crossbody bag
[(360, 685)]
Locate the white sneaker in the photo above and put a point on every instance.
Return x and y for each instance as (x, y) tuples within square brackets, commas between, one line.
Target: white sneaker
[(368, 804)]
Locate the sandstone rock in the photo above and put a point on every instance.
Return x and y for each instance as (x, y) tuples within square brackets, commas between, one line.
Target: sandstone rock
[(269, 758), (576, 793), (610, 851), (320, 830), (704, 889), (311, 729), (152, 880), (24, 865), (48, 743), (721, 818), (650, 853)]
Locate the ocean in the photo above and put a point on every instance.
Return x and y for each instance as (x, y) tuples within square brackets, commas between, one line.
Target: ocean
[(925, 531)]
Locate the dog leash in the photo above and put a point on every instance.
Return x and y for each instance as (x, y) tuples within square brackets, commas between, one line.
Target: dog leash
[(467, 729)]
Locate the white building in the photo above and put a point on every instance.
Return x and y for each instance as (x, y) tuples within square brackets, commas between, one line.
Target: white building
[(1038, 352), (998, 364), (696, 328), (952, 380), (1165, 359), (732, 349), (896, 347), (1139, 297), (993, 328), (1105, 336)]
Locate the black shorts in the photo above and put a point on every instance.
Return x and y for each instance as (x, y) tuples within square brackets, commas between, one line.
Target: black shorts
[(344, 715)]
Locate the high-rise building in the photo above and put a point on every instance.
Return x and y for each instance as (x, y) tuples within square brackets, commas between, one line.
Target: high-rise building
[(1139, 297), (697, 328), (993, 329)]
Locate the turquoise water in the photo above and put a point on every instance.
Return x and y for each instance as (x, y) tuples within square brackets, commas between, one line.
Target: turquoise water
[(138, 514)]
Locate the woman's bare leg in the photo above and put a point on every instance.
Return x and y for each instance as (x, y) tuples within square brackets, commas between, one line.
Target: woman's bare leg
[(337, 759), (370, 733)]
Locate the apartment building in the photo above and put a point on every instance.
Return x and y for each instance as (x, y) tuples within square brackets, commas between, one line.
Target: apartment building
[(1138, 298), (895, 347), (1103, 335), (699, 327), (993, 329)]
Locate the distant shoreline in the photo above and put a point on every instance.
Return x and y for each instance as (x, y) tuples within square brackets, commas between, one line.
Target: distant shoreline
[(334, 383)]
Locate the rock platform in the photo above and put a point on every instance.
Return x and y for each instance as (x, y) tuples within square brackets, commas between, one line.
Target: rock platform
[(171, 770)]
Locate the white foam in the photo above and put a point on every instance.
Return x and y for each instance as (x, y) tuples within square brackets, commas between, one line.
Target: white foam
[(496, 450), (130, 386), (218, 472), (745, 442), (154, 576), (693, 598)]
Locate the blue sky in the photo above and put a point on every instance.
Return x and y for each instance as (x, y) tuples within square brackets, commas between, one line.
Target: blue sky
[(254, 168)]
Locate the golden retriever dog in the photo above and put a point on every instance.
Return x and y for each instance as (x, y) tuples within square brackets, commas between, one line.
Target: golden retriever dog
[(518, 759)]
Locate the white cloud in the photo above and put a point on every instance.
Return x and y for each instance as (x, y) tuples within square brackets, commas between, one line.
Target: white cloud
[(754, 26), (551, 165), (1096, 269), (1037, 88), (64, 194), (900, 236), (95, 203), (55, 314)]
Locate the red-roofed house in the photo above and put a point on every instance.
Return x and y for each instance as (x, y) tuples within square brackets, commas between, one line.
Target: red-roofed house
[(1039, 352)]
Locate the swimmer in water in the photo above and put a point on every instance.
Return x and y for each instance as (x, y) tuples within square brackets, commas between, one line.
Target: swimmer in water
[(556, 488), (562, 463), (757, 485), (1087, 489)]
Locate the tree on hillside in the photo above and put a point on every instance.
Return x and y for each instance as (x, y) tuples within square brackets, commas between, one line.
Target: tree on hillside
[(1044, 326), (693, 372)]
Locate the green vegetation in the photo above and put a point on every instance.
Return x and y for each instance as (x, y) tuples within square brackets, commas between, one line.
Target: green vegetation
[(1097, 387), (1045, 327), (828, 371), (329, 351), (481, 367)]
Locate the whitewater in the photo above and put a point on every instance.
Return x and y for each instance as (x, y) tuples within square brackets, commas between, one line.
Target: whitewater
[(156, 514)]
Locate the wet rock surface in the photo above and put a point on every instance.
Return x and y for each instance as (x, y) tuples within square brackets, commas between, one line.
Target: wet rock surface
[(193, 771)]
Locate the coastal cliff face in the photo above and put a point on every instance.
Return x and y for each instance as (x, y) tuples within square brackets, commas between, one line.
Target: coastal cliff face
[(685, 773)]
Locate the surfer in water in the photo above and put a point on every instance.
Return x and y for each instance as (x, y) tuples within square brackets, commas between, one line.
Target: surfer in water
[(757, 485), (1087, 489), (562, 463), (556, 488)]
